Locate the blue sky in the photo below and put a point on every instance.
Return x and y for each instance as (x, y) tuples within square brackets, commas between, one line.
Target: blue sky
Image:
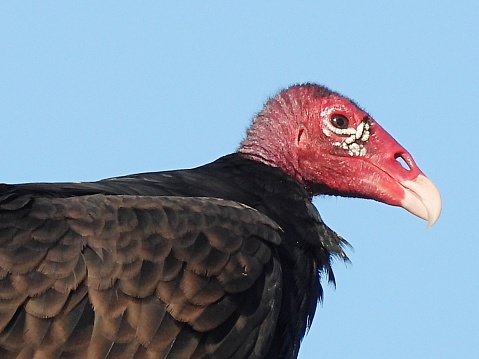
[(92, 91)]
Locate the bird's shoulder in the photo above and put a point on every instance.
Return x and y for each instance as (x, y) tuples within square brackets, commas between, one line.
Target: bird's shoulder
[(155, 269)]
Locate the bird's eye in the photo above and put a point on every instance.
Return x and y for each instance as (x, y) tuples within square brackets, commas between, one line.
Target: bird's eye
[(339, 121)]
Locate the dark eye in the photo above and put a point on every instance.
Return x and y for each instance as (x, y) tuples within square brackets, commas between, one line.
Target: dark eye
[(339, 121)]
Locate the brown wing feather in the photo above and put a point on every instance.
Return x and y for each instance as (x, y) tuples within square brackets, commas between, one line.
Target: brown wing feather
[(127, 276)]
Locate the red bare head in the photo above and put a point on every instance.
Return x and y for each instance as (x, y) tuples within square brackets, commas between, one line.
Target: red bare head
[(331, 146)]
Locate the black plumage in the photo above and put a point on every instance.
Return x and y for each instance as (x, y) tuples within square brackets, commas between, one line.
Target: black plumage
[(220, 261)]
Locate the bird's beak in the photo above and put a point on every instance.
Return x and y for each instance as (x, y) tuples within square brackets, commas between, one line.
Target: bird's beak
[(405, 184), (422, 199)]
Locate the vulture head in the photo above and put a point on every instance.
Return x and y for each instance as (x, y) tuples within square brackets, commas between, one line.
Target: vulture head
[(331, 146)]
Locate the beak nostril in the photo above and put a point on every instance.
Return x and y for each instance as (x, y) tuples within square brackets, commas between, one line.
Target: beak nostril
[(402, 161)]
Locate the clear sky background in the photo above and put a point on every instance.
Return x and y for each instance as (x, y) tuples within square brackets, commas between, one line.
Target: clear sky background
[(98, 90)]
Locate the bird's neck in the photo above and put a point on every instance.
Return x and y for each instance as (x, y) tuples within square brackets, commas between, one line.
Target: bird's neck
[(271, 154), (271, 139)]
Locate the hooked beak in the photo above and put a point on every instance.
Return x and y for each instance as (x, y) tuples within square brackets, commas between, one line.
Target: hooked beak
[(422, 199), (401, 181)]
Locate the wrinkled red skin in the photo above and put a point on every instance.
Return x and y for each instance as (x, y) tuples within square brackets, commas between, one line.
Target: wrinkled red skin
[(375, 175), (291, 133)]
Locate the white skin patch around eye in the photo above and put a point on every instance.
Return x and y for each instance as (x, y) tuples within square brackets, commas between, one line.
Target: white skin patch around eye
[(354, 143), (338, 131)]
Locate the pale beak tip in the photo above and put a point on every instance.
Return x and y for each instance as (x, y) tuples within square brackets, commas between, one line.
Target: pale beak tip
[(422, 199), (434, 211)]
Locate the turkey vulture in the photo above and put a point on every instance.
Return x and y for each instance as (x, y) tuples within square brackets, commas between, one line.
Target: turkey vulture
[(219, 261)]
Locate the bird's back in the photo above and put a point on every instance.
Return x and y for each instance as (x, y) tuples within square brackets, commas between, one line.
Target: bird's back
[(180, 264)]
